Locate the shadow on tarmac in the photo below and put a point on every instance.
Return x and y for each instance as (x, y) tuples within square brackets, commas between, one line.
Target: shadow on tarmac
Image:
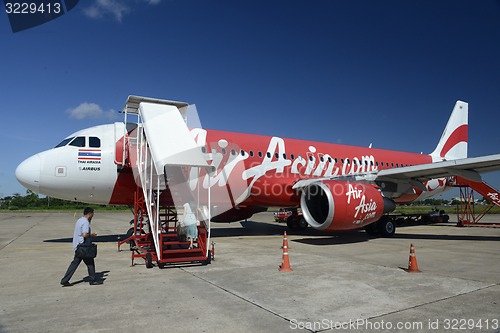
[(99, 276), (447, 237), (335, 239), (98, 239), (251, 228)]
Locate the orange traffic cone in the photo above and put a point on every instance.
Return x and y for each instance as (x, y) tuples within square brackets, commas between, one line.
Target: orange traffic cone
[(285, 264), (412, 263)]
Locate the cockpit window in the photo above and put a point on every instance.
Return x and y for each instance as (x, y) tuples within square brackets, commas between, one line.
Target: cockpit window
[(78, 142), (94, 142), (64, 142)]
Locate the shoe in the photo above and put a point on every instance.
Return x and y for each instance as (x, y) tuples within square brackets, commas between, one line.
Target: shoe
[(67, 284), (93, 283)]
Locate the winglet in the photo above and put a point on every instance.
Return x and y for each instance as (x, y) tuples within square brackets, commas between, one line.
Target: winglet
[(453, 142)]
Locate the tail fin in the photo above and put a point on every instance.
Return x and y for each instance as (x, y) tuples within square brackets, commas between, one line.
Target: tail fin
[(453, 142)]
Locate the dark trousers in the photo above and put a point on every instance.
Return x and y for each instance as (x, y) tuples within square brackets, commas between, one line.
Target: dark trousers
[(74, 265)]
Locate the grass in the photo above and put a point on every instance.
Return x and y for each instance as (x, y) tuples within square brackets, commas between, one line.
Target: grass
[(450, 210)]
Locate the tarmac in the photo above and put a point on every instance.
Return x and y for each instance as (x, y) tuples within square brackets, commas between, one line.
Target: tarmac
[(340, 283)]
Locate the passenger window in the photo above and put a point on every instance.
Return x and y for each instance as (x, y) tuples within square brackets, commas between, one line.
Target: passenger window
[(284, 156), (204, 150), (78, 142), (233, 152), (292, 156), (223, 151), (251, 153), (276, 155), (94, 142), (268, 154), (260, 154), (242, 152)]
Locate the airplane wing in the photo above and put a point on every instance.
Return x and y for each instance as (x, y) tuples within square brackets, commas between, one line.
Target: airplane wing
[(469, 168)]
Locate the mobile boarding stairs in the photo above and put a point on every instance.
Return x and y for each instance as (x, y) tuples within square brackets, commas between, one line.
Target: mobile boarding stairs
[(468, 214), (164, 159)]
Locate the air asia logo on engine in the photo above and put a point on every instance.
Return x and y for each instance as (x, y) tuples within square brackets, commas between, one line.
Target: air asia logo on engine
[(364, 210)]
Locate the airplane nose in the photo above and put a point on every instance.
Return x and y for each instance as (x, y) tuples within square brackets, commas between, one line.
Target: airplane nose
[(28, 173)]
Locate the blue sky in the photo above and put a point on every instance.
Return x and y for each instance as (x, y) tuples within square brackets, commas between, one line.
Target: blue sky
[(354, 72)]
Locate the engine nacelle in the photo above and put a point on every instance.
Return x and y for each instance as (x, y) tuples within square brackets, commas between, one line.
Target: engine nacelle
[(340, 205)]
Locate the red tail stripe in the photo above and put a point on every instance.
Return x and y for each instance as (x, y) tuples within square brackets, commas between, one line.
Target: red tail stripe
[(460, 134)]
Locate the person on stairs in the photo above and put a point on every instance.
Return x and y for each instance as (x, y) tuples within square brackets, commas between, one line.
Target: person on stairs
[(189, 220)]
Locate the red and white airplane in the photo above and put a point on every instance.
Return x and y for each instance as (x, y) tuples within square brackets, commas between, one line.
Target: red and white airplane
[(337, 187)]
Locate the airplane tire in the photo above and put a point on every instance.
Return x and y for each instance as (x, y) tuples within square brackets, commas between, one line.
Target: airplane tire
[(386, 227), (303, 224), (130, 232), (131, 243), (149, 260)]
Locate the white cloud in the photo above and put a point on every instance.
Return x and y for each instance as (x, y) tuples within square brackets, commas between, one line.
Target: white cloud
[(114, 8), (91, 110), (102, 8)]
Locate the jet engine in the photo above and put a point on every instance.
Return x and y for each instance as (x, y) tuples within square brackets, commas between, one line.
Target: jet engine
[(341, 205)]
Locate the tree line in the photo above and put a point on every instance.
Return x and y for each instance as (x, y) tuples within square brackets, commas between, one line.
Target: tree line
[(32, 201)]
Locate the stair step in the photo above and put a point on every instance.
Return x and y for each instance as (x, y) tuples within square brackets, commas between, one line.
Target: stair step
[(190, 251), (182, 259), (174, 242)]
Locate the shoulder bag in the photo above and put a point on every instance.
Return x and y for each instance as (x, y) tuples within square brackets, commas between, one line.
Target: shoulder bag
[(86, 251)]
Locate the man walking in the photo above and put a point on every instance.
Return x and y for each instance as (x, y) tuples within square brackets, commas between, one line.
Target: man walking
[(81, 235)]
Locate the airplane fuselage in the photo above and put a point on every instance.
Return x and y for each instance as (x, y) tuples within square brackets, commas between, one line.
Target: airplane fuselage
[(88, 167)]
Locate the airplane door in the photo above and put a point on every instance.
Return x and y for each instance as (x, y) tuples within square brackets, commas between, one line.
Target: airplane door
[(120, 144)]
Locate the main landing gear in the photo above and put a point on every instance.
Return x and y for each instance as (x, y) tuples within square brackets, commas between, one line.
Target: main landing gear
[(385, 227)]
